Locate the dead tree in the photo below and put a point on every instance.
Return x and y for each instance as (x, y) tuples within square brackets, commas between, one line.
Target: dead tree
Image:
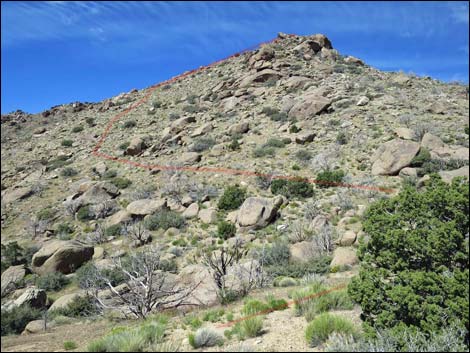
[(220, 261), (146, 287), (137, 233)]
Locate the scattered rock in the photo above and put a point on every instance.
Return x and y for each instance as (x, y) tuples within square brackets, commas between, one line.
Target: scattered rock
[(208, 216), (304, 137), (405, 133), (61, 256), (309, 106), (12, 277), (448, 175), (302, 252), (192, 211), (146, 206), (363, 101), (258, 212), (344, 256), (348, 238), (239, 128), (392, 156)]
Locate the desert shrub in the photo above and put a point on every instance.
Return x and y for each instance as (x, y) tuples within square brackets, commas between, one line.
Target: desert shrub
[(226, 229), (422, 157), (467, 130), (84, 214), (129, 124), (64, 228), (414, 272), (124, 145), (234, 144), (435, 165), (193, 321), (66, 143), (449, 339), (205, 337), (283, 281), (69, 345), (292, 188), (58, 162), (68, 172), (173, 116), (14, 321), (87, 272), (274, 114), (81, 306), (90, 121), (202, 144), (164, 220), (303, 155), (52, 281), (320, 265), (341, 138), (252, 326), (294, 129), (78, 128), (213, 315), (328, 178), (191, 108), (264, 151), (146, 337), (336, 300), (275, 142), (324, 325), (232, 198), (45, 214), (276, 254), (120, 182)]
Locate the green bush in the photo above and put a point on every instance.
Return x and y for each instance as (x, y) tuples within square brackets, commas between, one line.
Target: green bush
[(274, 114), (202, 144), (64, 228), (78, 128), (341, 138), (213, 315), (45, 214), (109, 174), (264, 151), (53, 281), (318, 265), (66, 143), (226, 229), (324, 325), (234, 144), (328, 178), (58, 162), (113, 231), (275, 142), (414, 271), (134, 339), (232, 198), (15, 320), (120, 182), (422, 157), (68, 172), (90, 121), (124, 145), (448, 339), (129, 124), (69, 345), (84, 214), (303, 155), (163, 220), (294, 129), (252, 326), (81, 306), (292, 188)]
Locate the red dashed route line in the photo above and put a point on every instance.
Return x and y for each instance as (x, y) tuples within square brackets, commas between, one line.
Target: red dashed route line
[(282, 306), (104, 135)]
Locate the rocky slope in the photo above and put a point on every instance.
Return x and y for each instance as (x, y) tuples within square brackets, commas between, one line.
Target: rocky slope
[(294, 107)]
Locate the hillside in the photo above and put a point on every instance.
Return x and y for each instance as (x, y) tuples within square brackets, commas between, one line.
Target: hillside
[(306, 138)]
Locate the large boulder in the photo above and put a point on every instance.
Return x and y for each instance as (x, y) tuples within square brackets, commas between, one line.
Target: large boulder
[(448, 175), (120, 217), (205, 293), (61, 256), (34, 297), (258, 212), (308, 106), (11, 277), (303, 251), (344, 257), (239, 128), (64, 301), (36, 326), (14, 194), (136, 146), (146, 206), (192, 211), (208, 215), (260, 77), (189, 158), (393, 155)]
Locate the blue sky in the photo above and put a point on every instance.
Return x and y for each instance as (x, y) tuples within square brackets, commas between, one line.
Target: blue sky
[(58, 52)]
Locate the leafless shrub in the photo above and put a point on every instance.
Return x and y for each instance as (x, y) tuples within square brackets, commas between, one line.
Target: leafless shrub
[(406, 119), (300, 231), (344, 200), (323, 239), (137, 233), (97, 236), (219, 263), (37, 227), (311, 210), (146, 287), (326, 160), (71, 207), (420, 129), (103, 209)]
